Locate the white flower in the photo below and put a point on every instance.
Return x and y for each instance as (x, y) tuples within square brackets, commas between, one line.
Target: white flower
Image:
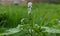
[(29, 7), (29, 4)]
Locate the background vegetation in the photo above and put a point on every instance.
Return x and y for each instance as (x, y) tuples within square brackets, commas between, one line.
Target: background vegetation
[(43, 16)]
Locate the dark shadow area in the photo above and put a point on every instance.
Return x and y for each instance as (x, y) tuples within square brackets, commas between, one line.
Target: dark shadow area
[(3, 20), (16, 4)]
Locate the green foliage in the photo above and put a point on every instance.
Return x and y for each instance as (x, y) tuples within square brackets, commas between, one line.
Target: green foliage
[(41, 22)]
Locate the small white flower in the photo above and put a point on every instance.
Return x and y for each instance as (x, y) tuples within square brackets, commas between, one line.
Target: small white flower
[(29, 7), (29, 4)]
